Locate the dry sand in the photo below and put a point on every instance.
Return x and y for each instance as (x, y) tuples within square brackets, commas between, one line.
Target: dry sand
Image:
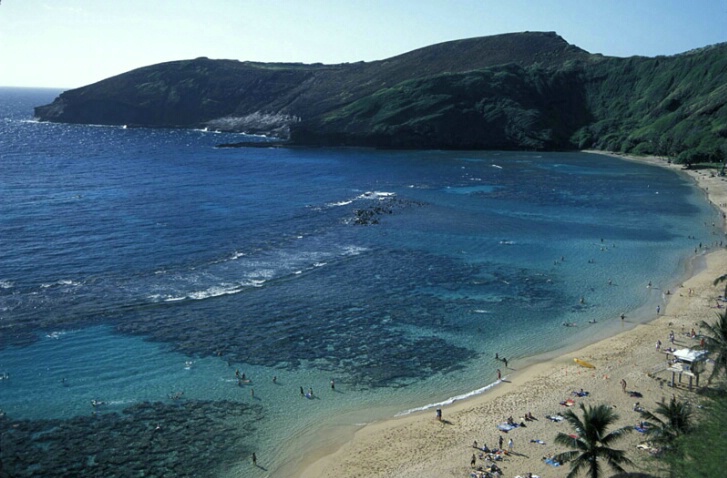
[(420, 446)]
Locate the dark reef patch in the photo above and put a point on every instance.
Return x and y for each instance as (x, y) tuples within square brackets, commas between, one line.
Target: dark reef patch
[(188, 438)]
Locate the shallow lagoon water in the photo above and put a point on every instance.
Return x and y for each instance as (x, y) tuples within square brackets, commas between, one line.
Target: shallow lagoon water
[(147, 267)]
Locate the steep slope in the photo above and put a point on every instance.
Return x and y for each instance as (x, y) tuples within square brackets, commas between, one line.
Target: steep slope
[(496, 108), (194, 92), (674, 105), (528, 90)]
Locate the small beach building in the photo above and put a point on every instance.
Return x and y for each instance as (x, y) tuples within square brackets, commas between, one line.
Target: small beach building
[(687, 362)]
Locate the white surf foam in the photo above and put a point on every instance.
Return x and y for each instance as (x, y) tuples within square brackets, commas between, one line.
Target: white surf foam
[(60, 283), (380, 195), (450, 400)]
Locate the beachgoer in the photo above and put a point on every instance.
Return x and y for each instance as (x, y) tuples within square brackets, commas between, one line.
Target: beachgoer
[(439, 414), (302, 393), (275, 379), (254, 459), (474, 445), (658, 309), (623, 316), (658, 344), (504, 360), (497, 356), (501, 440), (252, 392), (473, 461), (623, 385), (333, 385), (310, 392), (510, 444), (499, 374)]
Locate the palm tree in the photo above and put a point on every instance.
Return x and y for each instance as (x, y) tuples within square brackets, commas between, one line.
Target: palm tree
[(677, 420), (592, 442), (715, 340)]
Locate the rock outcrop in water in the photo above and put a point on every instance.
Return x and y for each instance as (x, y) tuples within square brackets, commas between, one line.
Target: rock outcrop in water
[(531, 91)]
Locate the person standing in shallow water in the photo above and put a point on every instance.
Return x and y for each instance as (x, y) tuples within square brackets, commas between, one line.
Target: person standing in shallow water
[(254, 459)]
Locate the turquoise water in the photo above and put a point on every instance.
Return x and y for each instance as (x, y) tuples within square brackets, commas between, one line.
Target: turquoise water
[(143, 268)]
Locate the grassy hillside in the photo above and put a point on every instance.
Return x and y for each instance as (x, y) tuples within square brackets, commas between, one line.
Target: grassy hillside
[(528, 90), (674, 106), (495, 108)]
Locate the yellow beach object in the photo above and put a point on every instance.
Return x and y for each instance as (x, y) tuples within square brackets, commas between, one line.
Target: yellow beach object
[(583, 363)]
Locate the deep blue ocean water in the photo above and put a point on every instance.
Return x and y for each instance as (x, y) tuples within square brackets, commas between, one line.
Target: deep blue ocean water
[(140, 269)]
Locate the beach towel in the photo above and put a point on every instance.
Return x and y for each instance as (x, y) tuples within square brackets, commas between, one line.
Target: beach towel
[(539, 442), (555, 418), (505, 427), (641, 429), (552, 462), (568, 403)]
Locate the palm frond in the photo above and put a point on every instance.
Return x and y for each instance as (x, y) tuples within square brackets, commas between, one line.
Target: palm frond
[(591, 448)]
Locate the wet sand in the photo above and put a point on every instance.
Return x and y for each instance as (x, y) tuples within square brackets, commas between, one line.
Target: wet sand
[(419, 445)]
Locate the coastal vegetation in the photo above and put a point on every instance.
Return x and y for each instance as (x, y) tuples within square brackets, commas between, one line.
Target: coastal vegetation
[(700, 452), (669, 421), (520, 91), (592, 441), (715, 340), (691, 442)]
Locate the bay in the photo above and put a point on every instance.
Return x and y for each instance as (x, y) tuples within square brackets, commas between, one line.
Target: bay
[(144, 270)]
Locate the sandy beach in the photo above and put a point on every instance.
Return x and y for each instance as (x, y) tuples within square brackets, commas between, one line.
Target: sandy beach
[(419, 445)]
